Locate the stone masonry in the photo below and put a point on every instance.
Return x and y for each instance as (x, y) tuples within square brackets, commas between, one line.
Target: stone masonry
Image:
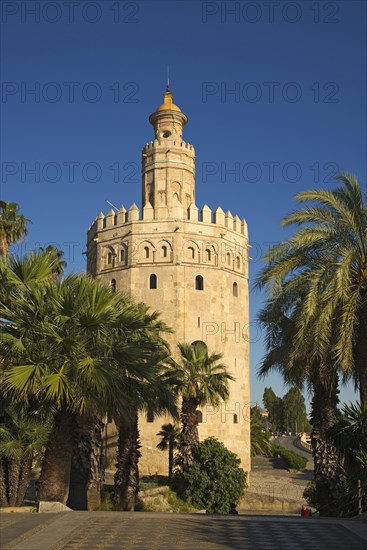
[(191, 266)]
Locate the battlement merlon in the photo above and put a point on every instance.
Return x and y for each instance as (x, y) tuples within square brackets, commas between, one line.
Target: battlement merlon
[(158, 143), (134, 215)]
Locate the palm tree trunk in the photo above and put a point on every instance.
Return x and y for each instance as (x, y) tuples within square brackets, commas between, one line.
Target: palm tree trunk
[(87, 471), (361, 352), (13, 480), (327, 463), (3, 491), (53, 484), (189, 440), (127, 474), (4, 246), (170, 461), (24, 479)]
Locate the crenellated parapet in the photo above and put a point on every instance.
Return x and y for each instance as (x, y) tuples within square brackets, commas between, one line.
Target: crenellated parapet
[(163, 143), (206, 216)]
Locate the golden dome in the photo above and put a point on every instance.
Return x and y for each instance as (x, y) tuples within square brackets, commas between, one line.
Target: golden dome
[(168, 105)]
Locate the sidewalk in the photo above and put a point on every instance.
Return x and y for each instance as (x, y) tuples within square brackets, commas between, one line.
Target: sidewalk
[(148, 531)]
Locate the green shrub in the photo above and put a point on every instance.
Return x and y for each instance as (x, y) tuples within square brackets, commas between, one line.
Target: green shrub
[(310, 494), (106, 500), (293, 460), (215, 481)]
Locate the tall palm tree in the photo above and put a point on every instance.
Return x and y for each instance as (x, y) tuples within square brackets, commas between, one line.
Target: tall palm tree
[(13, 226), (201, 380), (147, 380), (317, 318), (170, 437), (300, 367), (328, 255)]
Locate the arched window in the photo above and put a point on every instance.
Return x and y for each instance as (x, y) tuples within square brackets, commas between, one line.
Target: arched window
[(199, 283), (146, 251), (153, 281), (104, 223), (228, 258), (113, 285), (235, 419), (191, 252), (199, 417), (238, 262), (208, 255), (235, 289), (109, 258), (150, 416), (115, 219), (164, 252), (122, 255)]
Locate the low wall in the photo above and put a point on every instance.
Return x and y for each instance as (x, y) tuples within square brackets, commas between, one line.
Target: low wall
[(255, 502)]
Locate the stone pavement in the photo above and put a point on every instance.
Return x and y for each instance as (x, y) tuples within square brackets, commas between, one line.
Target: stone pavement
[(149, 531)]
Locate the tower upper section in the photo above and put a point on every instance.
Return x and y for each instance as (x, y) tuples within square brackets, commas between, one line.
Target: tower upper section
[(168, 164)]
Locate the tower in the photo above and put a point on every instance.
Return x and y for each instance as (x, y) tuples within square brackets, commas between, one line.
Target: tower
[(191, 266)]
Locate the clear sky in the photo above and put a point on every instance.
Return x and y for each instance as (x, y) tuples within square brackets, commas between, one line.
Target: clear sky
[(274, 91)]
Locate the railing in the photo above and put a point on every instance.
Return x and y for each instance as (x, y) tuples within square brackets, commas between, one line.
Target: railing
[(353, 502)]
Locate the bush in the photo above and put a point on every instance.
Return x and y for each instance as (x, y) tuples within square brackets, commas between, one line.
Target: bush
[(293, 460), (106, 500), (215, 482), (310, 494)]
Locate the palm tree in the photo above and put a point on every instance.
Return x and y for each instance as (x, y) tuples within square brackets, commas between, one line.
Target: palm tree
[(328, 256), (349, 435), (279, 318), (148, 383), (23, 434), (260, 437), (57, 337), (13, 226), (170, 434), (56, 258), (201, 380)]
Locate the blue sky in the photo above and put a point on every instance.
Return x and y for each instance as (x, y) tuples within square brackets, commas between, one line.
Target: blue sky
[(274, 91)]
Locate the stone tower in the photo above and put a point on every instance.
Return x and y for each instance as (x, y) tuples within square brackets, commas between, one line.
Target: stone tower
[(190, 266)]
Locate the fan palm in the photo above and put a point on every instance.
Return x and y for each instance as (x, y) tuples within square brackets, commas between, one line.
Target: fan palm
[(349, 435), (23, 434), (57, 336), (147, 381), (201, 380), (13, 226), (170, 437)]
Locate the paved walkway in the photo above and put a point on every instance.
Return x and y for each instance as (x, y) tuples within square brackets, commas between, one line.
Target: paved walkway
[(144, 531)]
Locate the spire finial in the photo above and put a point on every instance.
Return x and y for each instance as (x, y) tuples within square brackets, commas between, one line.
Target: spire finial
[(168, 89)]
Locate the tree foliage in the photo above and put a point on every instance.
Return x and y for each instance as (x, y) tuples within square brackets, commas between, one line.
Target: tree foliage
[(13, 226), (215, 482), (201, 380), (260, 436), (316, 313)]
